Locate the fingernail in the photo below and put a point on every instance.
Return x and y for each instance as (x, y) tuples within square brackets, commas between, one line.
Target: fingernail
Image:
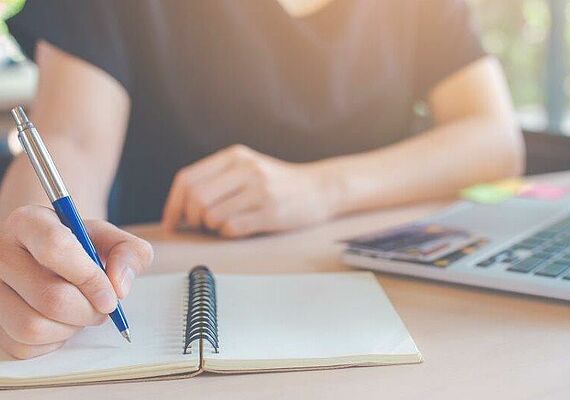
[(127, 280), (105, 300)]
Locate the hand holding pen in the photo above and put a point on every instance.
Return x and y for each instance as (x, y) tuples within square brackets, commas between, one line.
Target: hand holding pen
[(49, 287)]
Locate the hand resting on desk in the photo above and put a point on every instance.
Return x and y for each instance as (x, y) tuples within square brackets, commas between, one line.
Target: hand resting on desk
[(50, 288), (240, 192)]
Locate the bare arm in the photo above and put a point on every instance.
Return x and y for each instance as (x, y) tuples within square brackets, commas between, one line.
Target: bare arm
[(475, 139), (239, 192), (81, 113)]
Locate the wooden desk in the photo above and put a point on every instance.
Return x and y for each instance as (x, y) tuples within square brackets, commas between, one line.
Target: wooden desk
[(477, 343)]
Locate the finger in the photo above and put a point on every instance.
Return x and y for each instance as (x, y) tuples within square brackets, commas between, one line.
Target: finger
[(54, 246), (27, 326), (180, 206), (126, 255), (247, 200), (175, 202), (176, 206), (246, 224), (201, 196), (215, 163), (46, 292), (220, 187), (23, 351), (192, 211), (189, 197)]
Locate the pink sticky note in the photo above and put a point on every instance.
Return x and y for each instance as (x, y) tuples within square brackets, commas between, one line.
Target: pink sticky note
[(545, 192)]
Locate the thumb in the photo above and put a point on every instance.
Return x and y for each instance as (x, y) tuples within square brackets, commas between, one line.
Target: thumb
[(126, 255)]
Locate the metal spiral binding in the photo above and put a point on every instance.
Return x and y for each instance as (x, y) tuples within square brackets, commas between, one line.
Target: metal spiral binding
[(201, 317)]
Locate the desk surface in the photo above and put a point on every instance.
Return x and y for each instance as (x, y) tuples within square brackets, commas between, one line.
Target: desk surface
[(477, 343)]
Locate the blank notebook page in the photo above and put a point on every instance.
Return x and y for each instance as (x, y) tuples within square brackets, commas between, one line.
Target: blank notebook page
[(156, 313), (306, 321)]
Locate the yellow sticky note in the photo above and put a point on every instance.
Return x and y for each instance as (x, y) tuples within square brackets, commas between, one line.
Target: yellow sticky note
[(514, 185), (495, 192)]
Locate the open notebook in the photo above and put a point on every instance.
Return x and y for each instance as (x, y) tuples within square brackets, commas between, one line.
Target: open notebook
[(186, 323)]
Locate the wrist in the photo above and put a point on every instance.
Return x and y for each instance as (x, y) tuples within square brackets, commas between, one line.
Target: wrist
[(328, 183)]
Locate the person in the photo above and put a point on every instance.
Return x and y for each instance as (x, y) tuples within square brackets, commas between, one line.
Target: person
[(243, 117)]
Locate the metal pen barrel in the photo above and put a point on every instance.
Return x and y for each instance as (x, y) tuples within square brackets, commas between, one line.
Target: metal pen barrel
[(39, 156)]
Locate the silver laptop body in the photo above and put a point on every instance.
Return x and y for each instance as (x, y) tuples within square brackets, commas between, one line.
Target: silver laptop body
[(506, 225)]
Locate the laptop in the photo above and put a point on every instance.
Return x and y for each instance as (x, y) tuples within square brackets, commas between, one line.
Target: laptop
[(519, 245)]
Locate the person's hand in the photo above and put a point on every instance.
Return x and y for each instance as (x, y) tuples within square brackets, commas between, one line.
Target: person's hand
[(239, 192), (50, 288)]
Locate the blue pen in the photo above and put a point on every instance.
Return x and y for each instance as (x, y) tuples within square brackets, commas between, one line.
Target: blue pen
[(60, 199)]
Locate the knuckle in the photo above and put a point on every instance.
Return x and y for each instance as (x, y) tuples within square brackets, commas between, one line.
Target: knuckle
[(240, 150), (57, 242), (93, 278), (21, 214), (97, 225), (53, 300), (180, 177), (31, 330), (237, 148), (256, 168), (57, 236), (145, 252), (260, 172)]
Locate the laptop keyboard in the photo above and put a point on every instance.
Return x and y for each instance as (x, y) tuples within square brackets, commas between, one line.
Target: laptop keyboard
[(546, 253)]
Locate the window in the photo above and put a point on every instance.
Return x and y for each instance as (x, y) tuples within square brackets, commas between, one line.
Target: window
[(532, 40)]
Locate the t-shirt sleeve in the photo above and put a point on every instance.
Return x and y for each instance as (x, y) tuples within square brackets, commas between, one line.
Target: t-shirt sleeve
[(447, 41), (87, 29)]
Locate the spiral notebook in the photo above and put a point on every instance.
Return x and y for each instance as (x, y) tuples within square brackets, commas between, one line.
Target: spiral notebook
[(187, 323)]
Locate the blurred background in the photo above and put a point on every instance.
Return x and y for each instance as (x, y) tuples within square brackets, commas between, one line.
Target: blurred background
[(532, 40), (530, 37)]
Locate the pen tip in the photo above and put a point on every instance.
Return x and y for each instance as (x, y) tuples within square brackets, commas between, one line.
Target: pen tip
[(127, 335)]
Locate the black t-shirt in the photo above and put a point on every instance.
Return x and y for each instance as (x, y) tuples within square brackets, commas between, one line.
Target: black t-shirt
[(206, 74)]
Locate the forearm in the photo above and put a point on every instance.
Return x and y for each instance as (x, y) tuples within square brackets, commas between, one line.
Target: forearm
[(82, 115), (435, 164), (84, 176)]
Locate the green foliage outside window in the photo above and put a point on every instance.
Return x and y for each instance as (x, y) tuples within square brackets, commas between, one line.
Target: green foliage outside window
[(517, 31), (7, 9)]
